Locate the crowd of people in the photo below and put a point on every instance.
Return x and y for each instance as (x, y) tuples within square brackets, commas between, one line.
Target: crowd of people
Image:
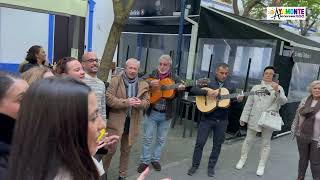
[(51, 118)]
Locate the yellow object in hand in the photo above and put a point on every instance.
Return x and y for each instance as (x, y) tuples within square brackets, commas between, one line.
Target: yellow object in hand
[(102, 132)]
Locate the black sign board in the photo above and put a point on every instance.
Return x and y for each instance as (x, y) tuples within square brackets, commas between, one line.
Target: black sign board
[(145, 8)]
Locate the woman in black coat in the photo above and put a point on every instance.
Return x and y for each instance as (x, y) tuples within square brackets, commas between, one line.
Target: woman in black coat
[(36, 56), (12, 89)]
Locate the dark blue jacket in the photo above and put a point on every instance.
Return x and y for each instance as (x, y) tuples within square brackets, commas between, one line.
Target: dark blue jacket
[(218, 113), (6, 132)]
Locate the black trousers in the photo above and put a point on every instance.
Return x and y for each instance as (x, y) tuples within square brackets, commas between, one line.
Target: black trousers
[(218, 127), (308, 151)]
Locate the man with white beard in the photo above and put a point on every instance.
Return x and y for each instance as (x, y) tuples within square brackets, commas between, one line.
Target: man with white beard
[(90, 64)]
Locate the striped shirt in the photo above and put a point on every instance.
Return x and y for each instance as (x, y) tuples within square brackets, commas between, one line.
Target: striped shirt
[(99, 88)]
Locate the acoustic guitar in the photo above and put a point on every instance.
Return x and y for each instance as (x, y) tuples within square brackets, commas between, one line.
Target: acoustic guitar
[(208, 104), (167, 88)]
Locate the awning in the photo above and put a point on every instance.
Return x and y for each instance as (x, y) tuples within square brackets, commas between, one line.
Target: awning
[(157, 25), (60, 7), (219, 24)]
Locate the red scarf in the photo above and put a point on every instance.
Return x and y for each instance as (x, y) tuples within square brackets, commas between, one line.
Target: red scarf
[(165, 75)]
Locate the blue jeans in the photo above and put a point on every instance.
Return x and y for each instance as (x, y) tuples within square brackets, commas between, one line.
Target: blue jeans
[(156, 121)]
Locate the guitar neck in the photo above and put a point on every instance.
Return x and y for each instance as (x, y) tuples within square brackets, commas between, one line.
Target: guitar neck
[(229, 96), (175, 86)]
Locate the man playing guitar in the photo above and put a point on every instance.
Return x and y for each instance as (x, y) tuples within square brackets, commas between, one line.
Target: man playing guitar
[(216, 121), (159, 116)]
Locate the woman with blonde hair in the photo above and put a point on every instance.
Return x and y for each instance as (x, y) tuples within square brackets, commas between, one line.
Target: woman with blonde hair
[(306, 127), (36, 73)]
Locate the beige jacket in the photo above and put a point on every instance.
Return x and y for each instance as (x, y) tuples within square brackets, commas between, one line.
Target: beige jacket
[(116, 99)]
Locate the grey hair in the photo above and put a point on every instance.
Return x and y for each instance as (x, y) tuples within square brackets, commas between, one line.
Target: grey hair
[(166, 57), (312, 85), (223, 65), (133, 60)]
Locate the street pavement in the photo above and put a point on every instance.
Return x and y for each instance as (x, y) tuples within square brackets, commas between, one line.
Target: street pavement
[(177, 158)]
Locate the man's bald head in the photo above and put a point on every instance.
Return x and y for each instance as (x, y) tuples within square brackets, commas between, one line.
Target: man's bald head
[(89, 55), (90, 63)]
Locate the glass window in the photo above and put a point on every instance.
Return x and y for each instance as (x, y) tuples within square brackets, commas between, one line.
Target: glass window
[(236, 53), (148, 48), (302, 75)]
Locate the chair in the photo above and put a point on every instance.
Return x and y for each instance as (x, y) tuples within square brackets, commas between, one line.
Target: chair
[(188, 123)]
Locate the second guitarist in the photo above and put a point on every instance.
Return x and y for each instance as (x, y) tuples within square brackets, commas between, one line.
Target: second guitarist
[(216, 121), (159, 116)]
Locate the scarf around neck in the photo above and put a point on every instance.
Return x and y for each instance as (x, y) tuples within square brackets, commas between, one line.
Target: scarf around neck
[(162, 76), (131, 88), (306, 128), (131, 85)]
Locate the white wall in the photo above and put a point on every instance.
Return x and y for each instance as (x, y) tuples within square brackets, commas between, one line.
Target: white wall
[(19, 30), (102, 21)]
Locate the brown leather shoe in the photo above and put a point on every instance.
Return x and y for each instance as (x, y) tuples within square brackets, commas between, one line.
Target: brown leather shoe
[(142, 167), (300, 178), (156, 165)]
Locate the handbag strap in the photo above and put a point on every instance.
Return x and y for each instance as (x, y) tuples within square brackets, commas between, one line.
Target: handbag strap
[(268, 109)]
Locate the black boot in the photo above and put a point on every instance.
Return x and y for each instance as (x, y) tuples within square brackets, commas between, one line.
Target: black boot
[(211, 172), (192, 170)]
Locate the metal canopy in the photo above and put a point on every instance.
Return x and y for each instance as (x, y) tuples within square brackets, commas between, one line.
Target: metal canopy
[(229, 26), (59, 7)]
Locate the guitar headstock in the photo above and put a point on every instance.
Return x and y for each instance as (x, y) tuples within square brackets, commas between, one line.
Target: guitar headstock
[(262, 92), (203, 82)]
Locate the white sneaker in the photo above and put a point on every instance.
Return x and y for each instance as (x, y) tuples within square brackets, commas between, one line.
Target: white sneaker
[(240, 163), (260, 170)]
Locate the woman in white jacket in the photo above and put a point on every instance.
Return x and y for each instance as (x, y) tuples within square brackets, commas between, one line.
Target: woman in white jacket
[(251, 113)]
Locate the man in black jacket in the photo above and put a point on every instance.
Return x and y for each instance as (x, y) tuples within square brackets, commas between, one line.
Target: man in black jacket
[(216, 121)]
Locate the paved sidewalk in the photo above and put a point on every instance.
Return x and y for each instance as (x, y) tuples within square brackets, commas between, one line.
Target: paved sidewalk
[(177, 154)]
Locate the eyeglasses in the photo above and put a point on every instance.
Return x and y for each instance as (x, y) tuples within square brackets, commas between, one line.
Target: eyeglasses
[(92, 60)]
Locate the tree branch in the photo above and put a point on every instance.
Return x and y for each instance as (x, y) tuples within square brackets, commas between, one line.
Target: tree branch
[(117, 6), (263, 5), (249, 7), (130, 5), (121, 15), (307, 28), (235, 7)]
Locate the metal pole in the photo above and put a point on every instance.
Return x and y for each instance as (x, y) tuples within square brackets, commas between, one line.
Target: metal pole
[(128, 49), (318, 73), (193, 44), (90, 23), (180, 36), (247, 77), (211, 57), (171, 53), (51, 38), (146, 62)]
